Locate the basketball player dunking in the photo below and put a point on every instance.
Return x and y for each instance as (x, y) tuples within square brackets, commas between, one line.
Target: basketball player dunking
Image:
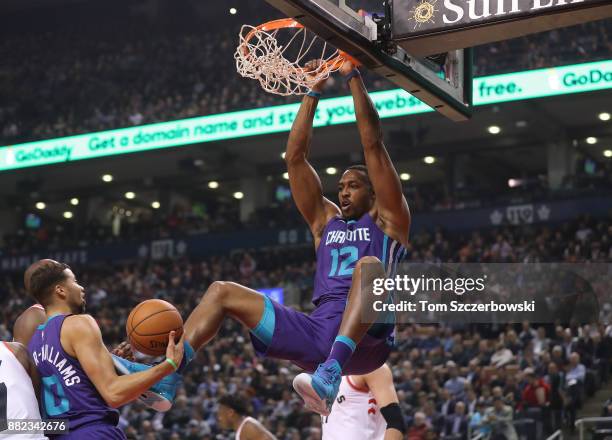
[(366, 407), (79, 382), (370, 227)]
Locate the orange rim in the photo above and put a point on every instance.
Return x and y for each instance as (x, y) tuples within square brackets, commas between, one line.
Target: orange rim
[(288, 23)]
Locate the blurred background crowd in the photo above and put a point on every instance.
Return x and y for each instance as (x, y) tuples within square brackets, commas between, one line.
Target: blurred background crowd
[(222, 215), (455, 379), (114, 72)]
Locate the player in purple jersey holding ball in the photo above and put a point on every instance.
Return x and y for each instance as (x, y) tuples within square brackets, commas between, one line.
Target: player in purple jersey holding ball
[(370, 227), (79, 382)]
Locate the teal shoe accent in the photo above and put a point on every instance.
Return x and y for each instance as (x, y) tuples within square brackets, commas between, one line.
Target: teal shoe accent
[(326, 381), (188, 355), (161, 395)]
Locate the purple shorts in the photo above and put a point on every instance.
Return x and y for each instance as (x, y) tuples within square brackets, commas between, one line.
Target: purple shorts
[(97, 431), (306, 340)]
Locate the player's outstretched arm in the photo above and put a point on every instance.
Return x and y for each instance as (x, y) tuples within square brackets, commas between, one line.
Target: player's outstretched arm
[(81, 338), (391, 203), (303, 179), (380, 383)]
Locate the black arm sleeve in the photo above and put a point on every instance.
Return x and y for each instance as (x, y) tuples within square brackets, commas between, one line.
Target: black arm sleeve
[(393, 416)]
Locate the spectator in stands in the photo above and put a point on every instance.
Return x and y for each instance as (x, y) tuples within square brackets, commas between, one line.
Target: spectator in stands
[(574, 381), (607, 409), (473, 374), (512, 391), (477, 421), (576, 371), (434, 419), (569, 345), (557, 357), (447, 406), (501, 250), (471, 401), (513, 343), (540, 342), (527, 333), (419, 429), (606, 312), (247, 265), (455, 383), (555, 380), (502, 355), (603, 354), (499, 417), (536, 393), (180, 415), (484, 352), (528, 359), (456, 425), (285, 406)]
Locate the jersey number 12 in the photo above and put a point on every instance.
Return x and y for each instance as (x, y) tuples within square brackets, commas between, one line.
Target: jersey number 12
[(347, 256)]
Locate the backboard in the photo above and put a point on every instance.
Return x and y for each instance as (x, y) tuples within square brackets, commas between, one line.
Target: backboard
[(424, 27), (362, 28)]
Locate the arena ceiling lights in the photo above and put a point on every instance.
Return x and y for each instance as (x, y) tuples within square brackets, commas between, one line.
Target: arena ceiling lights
[(494, 89)]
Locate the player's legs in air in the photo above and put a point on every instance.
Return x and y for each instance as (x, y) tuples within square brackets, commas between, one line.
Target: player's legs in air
[(281, 332), (368, 231)]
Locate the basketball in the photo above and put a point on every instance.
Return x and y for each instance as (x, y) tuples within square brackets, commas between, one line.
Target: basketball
[(149, 324)]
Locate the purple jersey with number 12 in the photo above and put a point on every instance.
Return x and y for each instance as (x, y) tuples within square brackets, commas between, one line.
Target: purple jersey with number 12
[(67, 392), (342, 244)]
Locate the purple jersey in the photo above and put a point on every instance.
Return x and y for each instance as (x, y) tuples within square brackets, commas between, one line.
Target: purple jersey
[(343, 243), (67, 392)]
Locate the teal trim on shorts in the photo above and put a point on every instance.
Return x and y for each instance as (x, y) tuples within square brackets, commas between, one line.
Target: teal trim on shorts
[(265, 329), (347, 341)]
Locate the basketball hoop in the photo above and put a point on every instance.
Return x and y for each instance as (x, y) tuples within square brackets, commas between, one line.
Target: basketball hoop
[(281, 68)]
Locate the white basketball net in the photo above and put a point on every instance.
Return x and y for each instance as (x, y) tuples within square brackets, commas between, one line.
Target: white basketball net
[(260, 56)]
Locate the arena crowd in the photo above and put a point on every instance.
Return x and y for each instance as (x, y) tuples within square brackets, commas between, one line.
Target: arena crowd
[(90, 78), (448, 383)]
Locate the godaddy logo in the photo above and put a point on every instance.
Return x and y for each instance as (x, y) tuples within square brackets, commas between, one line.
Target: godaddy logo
[(55, 154), (594, 76)]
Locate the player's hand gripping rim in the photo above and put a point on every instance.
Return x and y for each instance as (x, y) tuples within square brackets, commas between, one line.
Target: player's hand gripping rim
[(313, 67)]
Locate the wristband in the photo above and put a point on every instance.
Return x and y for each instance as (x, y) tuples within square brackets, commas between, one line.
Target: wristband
[(352, 74), (313, 94), (393, 416), (171, 362)]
